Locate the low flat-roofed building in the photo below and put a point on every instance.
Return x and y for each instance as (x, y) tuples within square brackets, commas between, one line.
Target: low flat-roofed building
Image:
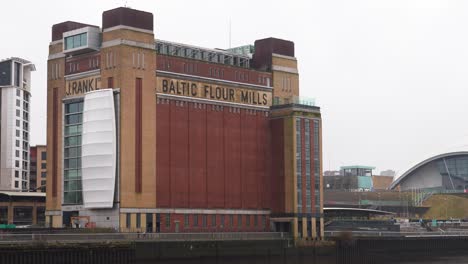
[(22, 208)]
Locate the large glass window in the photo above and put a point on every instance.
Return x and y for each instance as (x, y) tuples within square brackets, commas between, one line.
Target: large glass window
[(299, 164), (317, 165), (76, 41), (72, 153), (307, 165)]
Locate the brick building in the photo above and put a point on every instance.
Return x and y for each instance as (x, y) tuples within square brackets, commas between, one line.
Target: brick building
[(169, 137), (38, 168)]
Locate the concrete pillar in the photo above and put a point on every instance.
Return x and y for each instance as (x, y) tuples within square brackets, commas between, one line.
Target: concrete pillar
[(123, 222), (10, 213), (322, 231), (314, 228), (57, 221), (132, 222), (34, 214), (295, 228), (142, 222), (304, 228)]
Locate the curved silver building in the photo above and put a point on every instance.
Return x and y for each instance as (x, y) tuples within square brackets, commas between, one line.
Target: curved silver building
[(444, 172)]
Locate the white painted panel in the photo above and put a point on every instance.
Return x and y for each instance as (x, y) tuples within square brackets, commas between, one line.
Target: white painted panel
[(98, 151)]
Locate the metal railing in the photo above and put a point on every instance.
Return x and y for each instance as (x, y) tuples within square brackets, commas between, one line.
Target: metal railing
[(8, 238), (461, 233)]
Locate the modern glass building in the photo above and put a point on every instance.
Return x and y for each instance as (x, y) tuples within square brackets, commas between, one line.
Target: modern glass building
[(444, 172)]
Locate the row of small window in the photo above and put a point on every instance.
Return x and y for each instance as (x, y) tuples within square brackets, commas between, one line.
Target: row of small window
[(25, 136), (25, 95), (24, 174), (24, 163), (203, 222), (25, 105), (73, 67), (25, 115), (191, 53), (25, 144), (24, 185), (25, 124), (25, 154)]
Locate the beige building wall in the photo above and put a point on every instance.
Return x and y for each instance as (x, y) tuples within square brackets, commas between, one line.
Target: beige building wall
[(55, 81), (125, 63), (285, 78), (40, 170)]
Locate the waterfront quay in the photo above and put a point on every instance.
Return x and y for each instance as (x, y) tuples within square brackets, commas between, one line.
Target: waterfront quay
[(268, 248)]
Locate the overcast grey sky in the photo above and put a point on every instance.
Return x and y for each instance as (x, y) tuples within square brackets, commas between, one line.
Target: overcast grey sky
[(391, 77)]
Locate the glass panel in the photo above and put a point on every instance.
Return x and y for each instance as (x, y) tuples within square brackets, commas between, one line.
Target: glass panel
[(74, 152), (69, 197), (73, 119), (73, 141), (69, 43), (84, 40), (71, 174), (73, 130)]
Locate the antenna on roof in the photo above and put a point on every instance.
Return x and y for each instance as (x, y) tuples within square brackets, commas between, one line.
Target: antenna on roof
[(230, 33)]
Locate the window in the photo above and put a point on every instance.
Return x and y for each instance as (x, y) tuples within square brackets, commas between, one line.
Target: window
[(18, 123), (263, 221), (43, 165), (18, 113), (186, 220), (16, 184), (76, 41), (168, 221), (129, 220), (195, 220), (17, 143), (239, 220), (43, 182), (18, 103), (17, 133), (43, 174), (231, 221), (247, 220), (204, 220), (255, 221), (16, 174), (16, 163), (138, 220), (18, 92), (17, 73), (72, 146), (213, 220), (17, 153), (221, 224), (43, 155)]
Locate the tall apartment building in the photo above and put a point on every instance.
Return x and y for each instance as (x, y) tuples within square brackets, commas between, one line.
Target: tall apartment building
[(15, 93), (147, 134), (38, 168)]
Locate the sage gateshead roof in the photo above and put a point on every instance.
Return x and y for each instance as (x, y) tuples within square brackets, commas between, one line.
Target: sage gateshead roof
[(444, 172)]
